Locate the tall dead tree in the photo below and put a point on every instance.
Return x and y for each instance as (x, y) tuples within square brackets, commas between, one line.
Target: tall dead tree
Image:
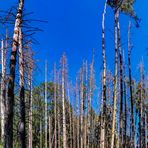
[(77, 113), (8, 141), (3, 90), (58, 110), (116, 15), (81, 105), (63, 101), (121, 86), (102, 136), (22, 123), (90, 94), (131, 89), (30, 138), (125, 102), (86, 105), (70, 115), (49, 130), (30, 66), (142, 108), (46, 119), (55, 107)]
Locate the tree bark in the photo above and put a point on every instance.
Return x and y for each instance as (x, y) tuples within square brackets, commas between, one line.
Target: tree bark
[(115, 80), (81, 106), (102, 137), (3, 90), (121, 87), (30, 107), (8, 141), (63, 102), (55, 107), (22, 124), (125, 107), (70, 116), (77, 117), (131, 89), (46, 120), (58, 112)]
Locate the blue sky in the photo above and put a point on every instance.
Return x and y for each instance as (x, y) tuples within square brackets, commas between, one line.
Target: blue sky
[(74, 27)]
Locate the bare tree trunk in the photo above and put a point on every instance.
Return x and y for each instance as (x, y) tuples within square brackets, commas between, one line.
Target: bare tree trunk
[(77, 116), (70, 118), (141, 117), (131, 90), (29, 68), (50, 140), (8, 141), (41, 138), (102, 139), (125, 107), (74, 133), (3, 90), (74, 121), (55, 107), (22, 124), (115, 81), (121, 87), (46, 105), (85, 111), (58, 110), (145, 128), (63, 102), (81, 106), (30, 108)]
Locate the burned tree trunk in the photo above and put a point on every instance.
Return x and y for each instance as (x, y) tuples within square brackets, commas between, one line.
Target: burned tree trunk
[(102, 137), (115, 80), (55, 107), (8, 141), (81, 107), (125, 105), (22, 132), (121, 87), (46, 118), (131, 89)]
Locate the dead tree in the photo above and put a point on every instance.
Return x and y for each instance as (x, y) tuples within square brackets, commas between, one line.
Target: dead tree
[(55, 107), (3, 90), (131, 89), (81, 105), (116, 15), (102, 137), (8, 138), (46, 119), (22, 123), (121, 86), (63, 101)]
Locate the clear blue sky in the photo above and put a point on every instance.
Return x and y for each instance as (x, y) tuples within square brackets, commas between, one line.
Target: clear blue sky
[(74, 27)]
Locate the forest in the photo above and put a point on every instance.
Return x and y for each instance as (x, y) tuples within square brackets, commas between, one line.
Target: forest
[(50, 107)]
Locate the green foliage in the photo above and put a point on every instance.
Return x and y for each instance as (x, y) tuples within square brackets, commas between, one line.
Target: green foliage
[(125, 6)]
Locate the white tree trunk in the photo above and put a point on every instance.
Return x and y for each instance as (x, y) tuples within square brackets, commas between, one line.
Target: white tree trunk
[(46, 104), (115, 82), (102, 138), (63, 102), (30, 109), (55, 107), (3, 90), (81, 106)]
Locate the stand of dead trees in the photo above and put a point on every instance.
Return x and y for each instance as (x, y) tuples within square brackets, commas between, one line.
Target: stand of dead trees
[(65, 113)]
